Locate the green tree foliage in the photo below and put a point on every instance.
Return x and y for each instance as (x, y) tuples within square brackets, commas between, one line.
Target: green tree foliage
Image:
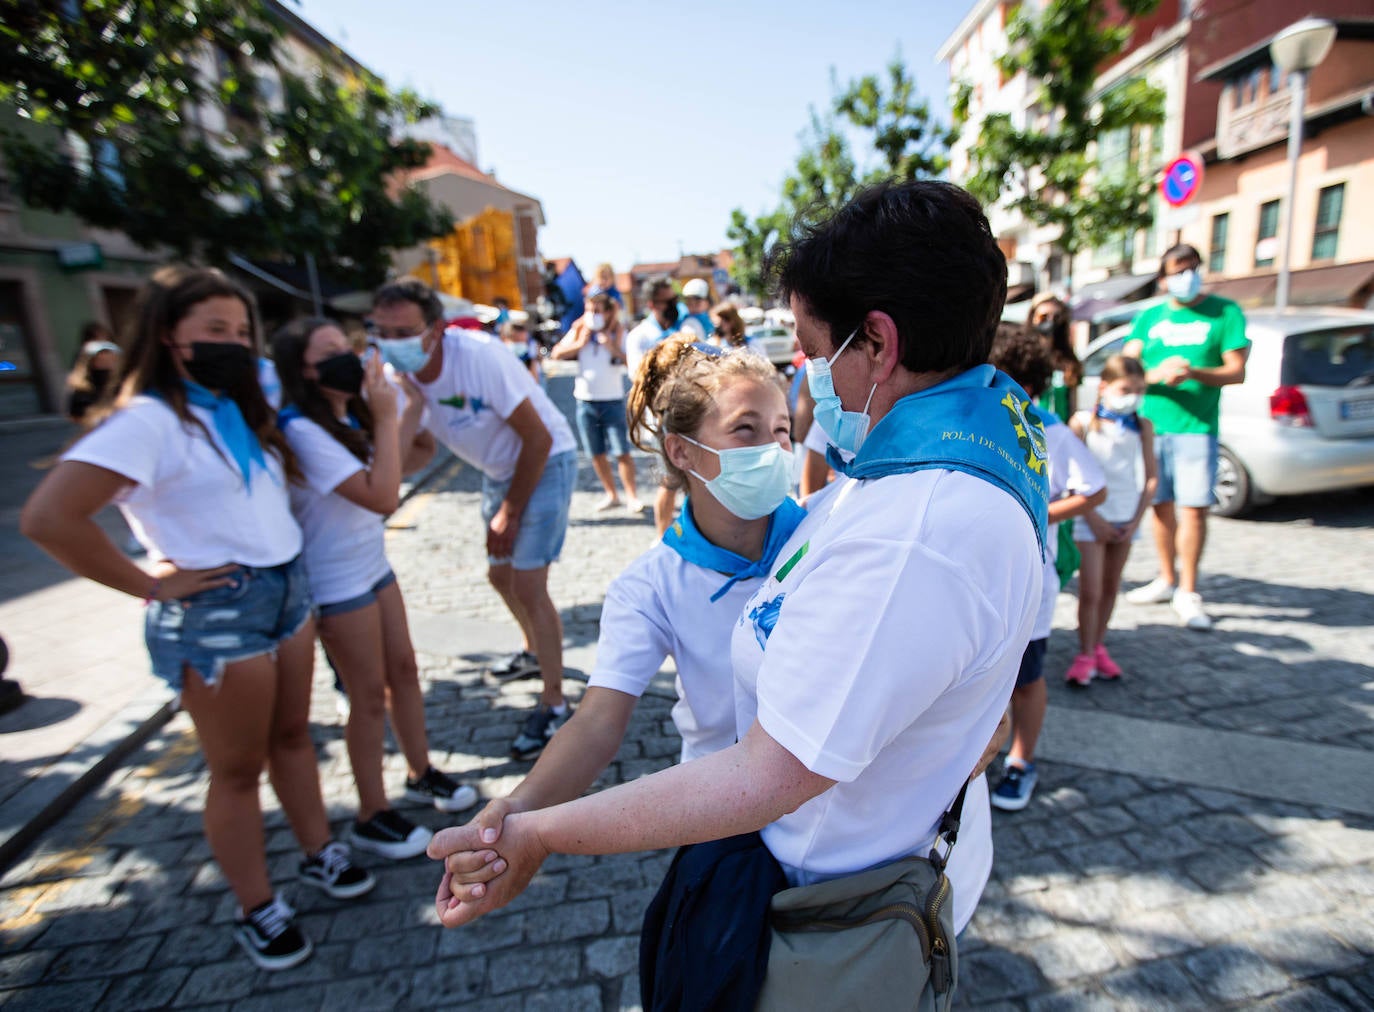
[(113, 115), (905, 142), (1049, 169)]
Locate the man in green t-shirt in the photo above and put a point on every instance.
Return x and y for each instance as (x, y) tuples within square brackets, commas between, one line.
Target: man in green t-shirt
[(1191, 346)]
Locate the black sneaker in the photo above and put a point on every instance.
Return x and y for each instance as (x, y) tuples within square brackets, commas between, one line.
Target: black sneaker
[(440, 790), (269, 935), (521, 664), (390, 834), (539, 728), (333, 870)]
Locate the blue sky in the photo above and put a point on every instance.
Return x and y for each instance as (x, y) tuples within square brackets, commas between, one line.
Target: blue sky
[(640, 126)]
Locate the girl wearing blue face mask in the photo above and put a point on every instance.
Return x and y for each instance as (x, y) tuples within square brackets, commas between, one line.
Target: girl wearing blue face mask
[(719, 421)]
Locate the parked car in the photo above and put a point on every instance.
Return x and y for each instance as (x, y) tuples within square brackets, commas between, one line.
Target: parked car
[(1303, 420), (778, 344)]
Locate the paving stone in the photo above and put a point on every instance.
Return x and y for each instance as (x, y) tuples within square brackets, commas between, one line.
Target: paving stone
[(1154, 985), (1229, 973), (995, 974), (448, 982), (55, 997), (1307, 999), (586, 998), (151, 990), (102, 959), (195, 944), (527, 968), (1071, 1000), (1303, 949), (569, 920), (217, 982), (407, 948), (1354, 929), (1155, 933), (380, 991), (1105, 821), (1155, 889), (1072, 953), (613, 957), (498, 931), (24, 968), (306, 996)]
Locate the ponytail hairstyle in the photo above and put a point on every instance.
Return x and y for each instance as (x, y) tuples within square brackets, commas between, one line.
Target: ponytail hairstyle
[(288, 351), (1115, 368), (148, 368), (674, 390)]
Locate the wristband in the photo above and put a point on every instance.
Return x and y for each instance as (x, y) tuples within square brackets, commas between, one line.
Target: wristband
[(152, 594)]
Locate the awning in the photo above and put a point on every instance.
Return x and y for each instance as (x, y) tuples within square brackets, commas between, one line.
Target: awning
[(1334, 285), (1123, 288), (1330, 286)]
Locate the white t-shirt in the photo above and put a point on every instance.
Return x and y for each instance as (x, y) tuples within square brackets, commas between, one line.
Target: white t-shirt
[(345, 551), (479, 386), (597, 378), (189, 504), (1118, 450), (1073, 471), (661, 606), (899, 632), (639, 340)]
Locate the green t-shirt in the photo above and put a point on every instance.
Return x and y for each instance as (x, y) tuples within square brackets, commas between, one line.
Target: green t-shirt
[(1199, 333)]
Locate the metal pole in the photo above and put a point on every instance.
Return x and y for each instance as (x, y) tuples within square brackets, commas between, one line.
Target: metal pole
[(314, 275), (1298, 87)]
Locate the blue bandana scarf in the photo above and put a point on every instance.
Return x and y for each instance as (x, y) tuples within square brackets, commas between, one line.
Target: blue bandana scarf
[(1130, 421), (684, 538), (979, 422), (241, 441), (290, 413)]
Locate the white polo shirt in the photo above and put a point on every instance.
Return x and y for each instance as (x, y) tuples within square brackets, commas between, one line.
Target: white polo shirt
[(661, 606), (189, 504), (895, 641), (479, 386), (1073, 471), (345, 550)]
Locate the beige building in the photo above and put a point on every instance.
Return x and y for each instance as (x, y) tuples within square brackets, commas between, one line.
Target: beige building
[(1236, 223)]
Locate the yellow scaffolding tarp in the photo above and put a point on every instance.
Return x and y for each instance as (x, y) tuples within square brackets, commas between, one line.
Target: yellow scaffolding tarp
[(476, 261)]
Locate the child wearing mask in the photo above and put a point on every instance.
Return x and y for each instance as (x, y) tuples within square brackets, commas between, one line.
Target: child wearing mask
[(193, 457), (352, 445), (1123, 443)]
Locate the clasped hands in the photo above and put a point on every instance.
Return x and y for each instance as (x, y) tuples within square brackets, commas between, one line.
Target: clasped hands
[(487, 863)]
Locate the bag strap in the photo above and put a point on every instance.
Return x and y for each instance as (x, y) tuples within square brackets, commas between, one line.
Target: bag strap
[(948, 830)]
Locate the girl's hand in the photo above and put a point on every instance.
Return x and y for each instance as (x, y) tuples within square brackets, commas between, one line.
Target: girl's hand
[(176, 584), (377, 391), (1125, 532), (1103, 531)]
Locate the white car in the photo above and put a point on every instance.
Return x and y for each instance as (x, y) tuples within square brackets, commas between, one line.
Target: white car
[(777, 344), (1303, 420)]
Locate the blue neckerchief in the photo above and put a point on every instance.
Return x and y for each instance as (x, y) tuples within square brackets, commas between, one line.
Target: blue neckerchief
[(1130, 421), (241, 441), (683, 537), (980, 422), (290, 413)]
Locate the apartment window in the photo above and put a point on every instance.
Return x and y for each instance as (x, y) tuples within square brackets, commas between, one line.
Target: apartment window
[(1266, 242), (1216, 253), (1329, 206)]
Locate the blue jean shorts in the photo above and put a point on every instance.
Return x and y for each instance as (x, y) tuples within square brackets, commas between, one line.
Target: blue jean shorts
[(601, 423), (545, 521), (1187, 468), (361, 601), (251, 616)]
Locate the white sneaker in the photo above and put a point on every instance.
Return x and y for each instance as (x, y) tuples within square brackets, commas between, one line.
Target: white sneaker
[(1157, 591), (1188, 604)]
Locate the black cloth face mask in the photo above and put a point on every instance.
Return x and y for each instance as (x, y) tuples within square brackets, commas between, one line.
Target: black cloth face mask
[(219, 366), (342, 372)]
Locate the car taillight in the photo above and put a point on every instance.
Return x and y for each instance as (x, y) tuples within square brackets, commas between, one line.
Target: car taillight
[(1288, 406)]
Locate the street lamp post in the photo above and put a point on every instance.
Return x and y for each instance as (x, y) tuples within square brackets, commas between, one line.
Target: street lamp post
[(1297, 49)]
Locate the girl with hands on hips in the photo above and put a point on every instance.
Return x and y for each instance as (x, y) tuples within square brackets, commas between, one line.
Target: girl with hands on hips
[(194, 459)]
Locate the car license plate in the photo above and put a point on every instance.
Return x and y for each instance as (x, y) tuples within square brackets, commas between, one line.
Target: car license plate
[(1357, 409)]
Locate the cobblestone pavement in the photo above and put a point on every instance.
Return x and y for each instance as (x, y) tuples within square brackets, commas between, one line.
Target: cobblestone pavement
[(1112, 890)]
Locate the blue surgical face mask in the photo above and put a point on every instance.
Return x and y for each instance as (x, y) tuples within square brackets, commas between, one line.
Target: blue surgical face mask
[(846, 430), (1185, 285), (404, 354), (753, 480)]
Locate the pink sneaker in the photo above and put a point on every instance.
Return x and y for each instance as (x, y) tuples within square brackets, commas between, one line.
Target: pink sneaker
[(1106, 667), (1082, 670)]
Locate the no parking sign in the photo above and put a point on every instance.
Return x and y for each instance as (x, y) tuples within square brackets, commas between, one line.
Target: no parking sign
[(1182, 179)]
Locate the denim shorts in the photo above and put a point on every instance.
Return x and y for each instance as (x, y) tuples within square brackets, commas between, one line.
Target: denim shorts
[(250, 616), (1187, 468), (601, 423), (545, 522), (354, 603)]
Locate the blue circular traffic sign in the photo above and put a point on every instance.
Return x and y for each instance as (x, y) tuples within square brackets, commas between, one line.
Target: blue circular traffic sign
[(1182, 179)]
